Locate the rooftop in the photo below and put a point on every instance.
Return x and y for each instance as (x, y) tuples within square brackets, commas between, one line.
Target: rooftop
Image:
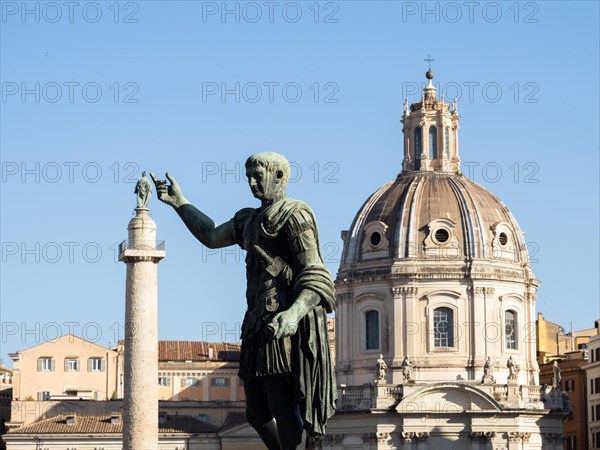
[(194, 351), (105, 424)]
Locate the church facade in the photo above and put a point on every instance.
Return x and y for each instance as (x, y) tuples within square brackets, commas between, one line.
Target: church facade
[(435, 327)]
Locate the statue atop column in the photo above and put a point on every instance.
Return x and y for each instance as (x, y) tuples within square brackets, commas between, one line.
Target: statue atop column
[(285, 360), (143, 189)]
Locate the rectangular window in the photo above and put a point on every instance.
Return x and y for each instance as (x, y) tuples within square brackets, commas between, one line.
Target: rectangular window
[(570, 385), (164, 381), (220, 381), (510, 329), (45, 364), (43, 395), (372, 330), (571, 443), (597, 385), (592, 386), (597, 412), (71, 365), (190, 382), (96, 365), (443, 327)]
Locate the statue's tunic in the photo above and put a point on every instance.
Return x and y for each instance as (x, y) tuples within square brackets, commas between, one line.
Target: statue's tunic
[(274, 238)]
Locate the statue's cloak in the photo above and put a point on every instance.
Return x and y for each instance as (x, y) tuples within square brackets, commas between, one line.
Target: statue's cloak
[(311, 362)]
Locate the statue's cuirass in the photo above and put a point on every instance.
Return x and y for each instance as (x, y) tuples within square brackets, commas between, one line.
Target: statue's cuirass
[(269, 291)]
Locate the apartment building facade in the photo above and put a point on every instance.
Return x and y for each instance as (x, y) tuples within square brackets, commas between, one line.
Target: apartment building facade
[(592, 371), (68, 367)]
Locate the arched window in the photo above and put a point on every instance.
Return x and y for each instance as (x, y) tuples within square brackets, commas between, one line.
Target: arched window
[(447, 141), (433, 153), (372, 330), (418, 147), (511, 327), (443, 327)]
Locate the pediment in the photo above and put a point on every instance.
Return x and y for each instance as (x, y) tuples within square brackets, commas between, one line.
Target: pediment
[(447, 398)]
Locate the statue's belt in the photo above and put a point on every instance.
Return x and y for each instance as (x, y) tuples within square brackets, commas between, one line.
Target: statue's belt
[(266, 306)]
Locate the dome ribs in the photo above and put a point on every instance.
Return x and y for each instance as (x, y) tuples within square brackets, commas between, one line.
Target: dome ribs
[(415, 201)]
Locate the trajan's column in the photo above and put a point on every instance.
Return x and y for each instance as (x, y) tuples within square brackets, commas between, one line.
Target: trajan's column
[(141, 253)]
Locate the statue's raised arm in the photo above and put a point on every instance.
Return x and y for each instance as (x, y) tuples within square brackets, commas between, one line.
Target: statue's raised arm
[(199, 224)]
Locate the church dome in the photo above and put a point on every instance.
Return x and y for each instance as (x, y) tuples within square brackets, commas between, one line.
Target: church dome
[(435, 269), (434, 216)]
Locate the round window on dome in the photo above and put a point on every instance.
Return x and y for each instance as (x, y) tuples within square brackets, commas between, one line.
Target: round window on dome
[(442, 235), (375, 238), (503, 238)]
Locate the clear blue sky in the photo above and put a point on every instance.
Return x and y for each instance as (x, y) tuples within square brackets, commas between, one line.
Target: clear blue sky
[(93, 95)]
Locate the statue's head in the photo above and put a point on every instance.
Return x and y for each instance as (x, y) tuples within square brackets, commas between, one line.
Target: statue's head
[(268, 174), (144, 173)]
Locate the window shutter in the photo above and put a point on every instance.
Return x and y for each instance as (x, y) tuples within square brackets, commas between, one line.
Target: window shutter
[(52, 365), (90, 364), (183, 382), (40, 369), (102, 365), (66, 365), (168, 381), (40, 396)]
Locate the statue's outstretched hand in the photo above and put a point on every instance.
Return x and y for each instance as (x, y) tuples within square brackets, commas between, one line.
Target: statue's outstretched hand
[(169, 194)]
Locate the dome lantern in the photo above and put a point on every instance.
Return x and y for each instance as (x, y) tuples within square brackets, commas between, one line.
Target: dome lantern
[(430, 132)]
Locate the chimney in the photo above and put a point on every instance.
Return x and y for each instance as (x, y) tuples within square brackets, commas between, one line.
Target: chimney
[(70, 419)]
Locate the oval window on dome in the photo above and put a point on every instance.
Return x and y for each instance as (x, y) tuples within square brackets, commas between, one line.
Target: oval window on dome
[(375, 239), (503, 238), (442, 235)]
